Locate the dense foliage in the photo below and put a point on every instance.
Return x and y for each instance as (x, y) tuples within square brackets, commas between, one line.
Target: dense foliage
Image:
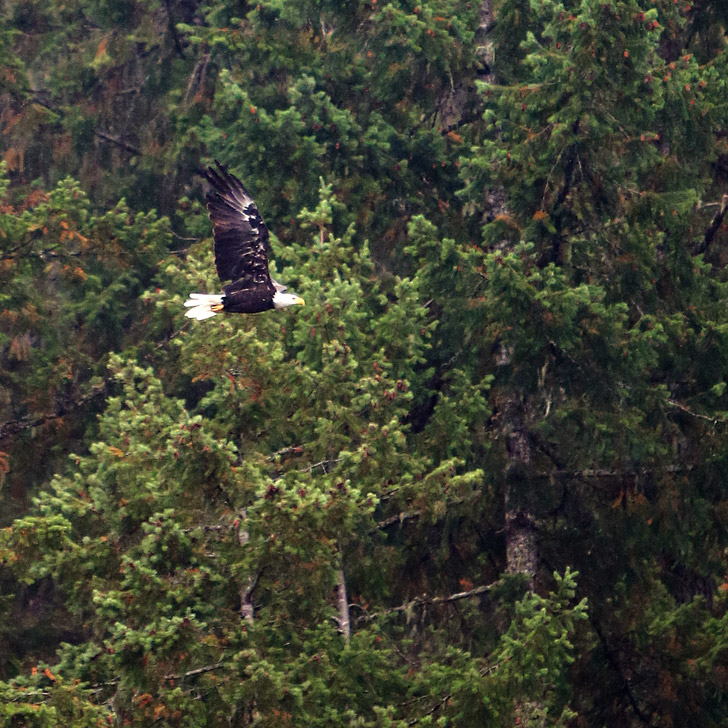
[(479, 479)]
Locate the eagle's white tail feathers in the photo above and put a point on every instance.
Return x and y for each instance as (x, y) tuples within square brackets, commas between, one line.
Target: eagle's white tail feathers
[(197, 299), (200, 305)]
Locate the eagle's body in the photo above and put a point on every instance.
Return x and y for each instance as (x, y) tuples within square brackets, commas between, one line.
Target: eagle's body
[(241, 253)]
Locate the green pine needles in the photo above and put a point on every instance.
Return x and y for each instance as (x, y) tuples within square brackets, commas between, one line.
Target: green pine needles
[(479, 480)]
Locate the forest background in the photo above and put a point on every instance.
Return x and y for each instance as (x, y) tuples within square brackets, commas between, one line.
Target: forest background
[(480, 479)]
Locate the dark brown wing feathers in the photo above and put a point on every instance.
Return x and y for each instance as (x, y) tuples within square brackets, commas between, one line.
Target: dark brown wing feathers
[(241, 236)]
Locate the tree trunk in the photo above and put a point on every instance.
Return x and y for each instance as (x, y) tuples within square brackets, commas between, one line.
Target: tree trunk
[(247, 608), (484, 46), (513, 409), (342, 603), (521, 553), (521, 547), (452, 106)]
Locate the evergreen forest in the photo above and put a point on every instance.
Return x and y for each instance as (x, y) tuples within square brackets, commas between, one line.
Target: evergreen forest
[(480, 479)]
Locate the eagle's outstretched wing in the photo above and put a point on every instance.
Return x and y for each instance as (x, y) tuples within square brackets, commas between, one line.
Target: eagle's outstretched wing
[(241, 236)]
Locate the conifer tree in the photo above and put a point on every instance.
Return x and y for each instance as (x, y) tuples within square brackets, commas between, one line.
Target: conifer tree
[(507, 220), (602, 283)]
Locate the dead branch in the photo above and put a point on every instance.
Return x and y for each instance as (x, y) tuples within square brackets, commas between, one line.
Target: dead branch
[(714, 226), (614, 472), (614, 663), (439, 704), (172, 677), (13, 427), (193, 673), (424, 600), (397, 518), (198, 76), (286, 452), (117, 142), (690, 412)]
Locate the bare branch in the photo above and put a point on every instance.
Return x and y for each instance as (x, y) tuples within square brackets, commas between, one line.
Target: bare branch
[(424, 600), (443, 701), (10, 254), (615, 472), (615, 665), (286, 452), (173, 335), (193, 673), (117, 142), (13, 427), (397, 518), (323, 464), (198, 76), (213, 527), (439, 704), (38, 99), (714, 226), (180, 237), (690, 412)]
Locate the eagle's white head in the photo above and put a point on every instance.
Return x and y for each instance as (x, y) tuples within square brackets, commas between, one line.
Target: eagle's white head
[(283, 300)]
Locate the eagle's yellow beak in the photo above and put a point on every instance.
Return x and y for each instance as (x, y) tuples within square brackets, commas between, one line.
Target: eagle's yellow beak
[(299, 301)]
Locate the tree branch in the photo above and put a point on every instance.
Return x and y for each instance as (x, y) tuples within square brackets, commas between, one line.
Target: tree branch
[(13, 427), (614, 664), (193, 673), (687, 410), (439, 704), (614, 472), (117, 142), (424, 600), (323, 464), (713, 227), (37, 98), (561, 474), (180, 676), (10, 254), (286, 452), (397, 518), (198, 76)]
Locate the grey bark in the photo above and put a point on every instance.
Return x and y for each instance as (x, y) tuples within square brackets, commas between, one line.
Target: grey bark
[(247, 608), (521, 548), (484, 46), (342, 603)]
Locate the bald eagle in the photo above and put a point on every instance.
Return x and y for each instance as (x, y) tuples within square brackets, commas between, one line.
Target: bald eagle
[(241, 253)]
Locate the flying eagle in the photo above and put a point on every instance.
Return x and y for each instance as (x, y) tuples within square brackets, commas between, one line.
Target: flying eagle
[(241, 253)]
